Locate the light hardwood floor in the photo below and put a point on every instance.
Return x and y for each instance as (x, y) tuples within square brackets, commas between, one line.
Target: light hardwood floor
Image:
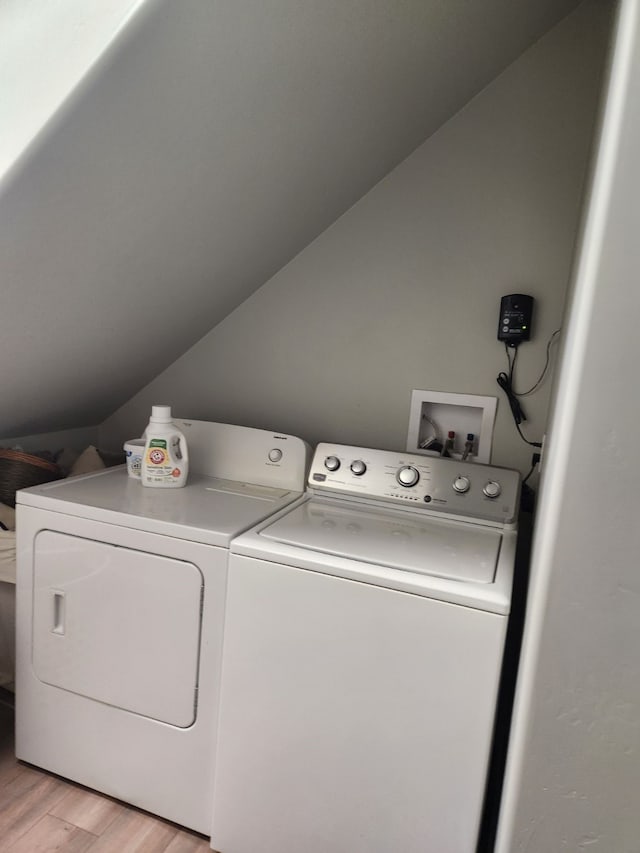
[(42, 813)]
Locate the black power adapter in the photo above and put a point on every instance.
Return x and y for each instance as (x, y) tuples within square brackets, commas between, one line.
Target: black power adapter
[(514, 323), (514, 327)]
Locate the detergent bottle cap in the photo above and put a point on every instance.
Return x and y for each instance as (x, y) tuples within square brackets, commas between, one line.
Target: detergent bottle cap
[(161, 414)]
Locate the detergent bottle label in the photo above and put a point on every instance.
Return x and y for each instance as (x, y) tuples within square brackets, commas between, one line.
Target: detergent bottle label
[(161, 466), (157, 454)]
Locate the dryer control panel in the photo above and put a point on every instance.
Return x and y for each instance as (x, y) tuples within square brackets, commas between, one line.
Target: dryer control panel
[(425, 483), (246, 454)]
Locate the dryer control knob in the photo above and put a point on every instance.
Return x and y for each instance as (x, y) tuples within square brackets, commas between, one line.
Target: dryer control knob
[(275, 455), (407, 476), (332, 463), (492, 489), (358, 467), (461, 484)]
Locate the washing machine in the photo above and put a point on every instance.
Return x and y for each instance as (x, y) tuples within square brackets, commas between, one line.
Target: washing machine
[(363, 645), (120, 611)]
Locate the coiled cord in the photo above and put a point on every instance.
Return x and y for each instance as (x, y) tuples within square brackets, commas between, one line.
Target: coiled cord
[(505, 381)]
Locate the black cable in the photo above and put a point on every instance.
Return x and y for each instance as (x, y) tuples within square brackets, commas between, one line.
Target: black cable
[(512, 364), (505, 381), (535, 459), (524, 438)]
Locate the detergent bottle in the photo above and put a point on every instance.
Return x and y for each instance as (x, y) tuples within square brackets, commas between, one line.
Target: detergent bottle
[(165, 461)]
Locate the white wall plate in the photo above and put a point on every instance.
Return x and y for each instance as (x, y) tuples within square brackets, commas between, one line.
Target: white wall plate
[(434, 413)]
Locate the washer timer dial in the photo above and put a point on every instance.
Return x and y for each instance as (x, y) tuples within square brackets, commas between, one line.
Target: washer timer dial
[(407, 476), (358, 467)]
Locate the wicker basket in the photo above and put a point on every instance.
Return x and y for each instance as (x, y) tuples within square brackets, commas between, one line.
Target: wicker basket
[(19, 470)]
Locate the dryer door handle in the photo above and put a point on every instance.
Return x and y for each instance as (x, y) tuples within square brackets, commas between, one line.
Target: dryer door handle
[(59, 608)]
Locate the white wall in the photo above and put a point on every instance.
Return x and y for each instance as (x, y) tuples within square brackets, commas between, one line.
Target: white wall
[(573, 781), (202, 151), (47, 47), (402, 291)]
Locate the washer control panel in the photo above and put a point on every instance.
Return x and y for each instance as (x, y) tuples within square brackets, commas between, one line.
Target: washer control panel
[(429, 483)]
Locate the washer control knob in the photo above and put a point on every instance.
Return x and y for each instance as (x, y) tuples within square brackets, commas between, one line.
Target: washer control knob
[(492, 489), (407, 476), (461, 484), (275, 455), (332, 463), (358, 467)]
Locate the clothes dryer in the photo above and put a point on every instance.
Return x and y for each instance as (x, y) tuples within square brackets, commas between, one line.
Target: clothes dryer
[(363, 647), (120, 610)]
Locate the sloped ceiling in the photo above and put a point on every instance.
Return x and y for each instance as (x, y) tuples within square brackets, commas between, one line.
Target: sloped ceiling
[(46, 47), (209, 144)]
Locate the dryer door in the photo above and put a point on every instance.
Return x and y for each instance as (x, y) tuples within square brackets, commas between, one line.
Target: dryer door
[(117, 625)]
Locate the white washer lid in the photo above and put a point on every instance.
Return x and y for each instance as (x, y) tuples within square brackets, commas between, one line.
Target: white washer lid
[(425, 545)]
